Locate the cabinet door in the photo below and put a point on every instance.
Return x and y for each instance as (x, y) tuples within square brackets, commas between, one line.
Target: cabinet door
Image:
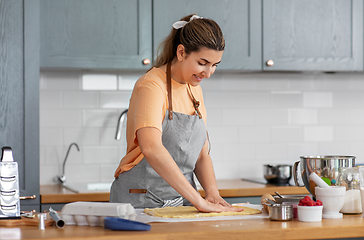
[(321, 35), (19, 92), (240, 21), (94, 34)]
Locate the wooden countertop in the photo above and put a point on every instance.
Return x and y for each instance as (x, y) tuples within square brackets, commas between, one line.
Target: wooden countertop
[(348, 226), (227, 188)]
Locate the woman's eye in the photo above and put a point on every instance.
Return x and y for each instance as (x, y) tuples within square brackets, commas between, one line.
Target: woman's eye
[(202, 64)]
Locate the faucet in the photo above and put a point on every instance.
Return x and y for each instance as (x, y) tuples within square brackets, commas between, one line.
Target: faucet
[(120, 124), (62, 179)]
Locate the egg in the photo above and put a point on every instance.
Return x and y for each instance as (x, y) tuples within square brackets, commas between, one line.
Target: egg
[(263, 200)]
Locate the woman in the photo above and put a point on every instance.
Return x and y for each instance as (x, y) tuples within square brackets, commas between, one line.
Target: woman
[(166, 134)]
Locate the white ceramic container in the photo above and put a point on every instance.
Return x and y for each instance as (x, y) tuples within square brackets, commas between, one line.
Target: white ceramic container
[(309, 213), (333, 199)]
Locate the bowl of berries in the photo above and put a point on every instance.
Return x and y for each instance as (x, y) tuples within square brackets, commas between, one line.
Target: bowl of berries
[(309, 210)]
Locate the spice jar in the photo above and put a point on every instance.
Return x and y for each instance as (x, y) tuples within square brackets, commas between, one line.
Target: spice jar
[(350, 178)]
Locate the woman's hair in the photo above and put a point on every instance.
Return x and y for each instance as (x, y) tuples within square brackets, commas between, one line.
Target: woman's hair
[(197, 33)]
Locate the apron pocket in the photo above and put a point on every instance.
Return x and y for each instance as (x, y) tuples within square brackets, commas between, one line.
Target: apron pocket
[(178, 201)]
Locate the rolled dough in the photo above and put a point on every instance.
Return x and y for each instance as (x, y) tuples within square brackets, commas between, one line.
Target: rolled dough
[(192, 212)]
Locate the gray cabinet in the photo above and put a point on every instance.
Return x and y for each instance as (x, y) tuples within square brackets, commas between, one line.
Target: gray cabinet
[(94, 34), (240, 21), (19, 92), (320, 35)]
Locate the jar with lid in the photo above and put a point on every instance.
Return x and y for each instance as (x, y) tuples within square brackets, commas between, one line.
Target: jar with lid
[(350, 178)]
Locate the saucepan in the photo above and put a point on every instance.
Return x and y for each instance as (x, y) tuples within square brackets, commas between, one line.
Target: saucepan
[(278, 175)]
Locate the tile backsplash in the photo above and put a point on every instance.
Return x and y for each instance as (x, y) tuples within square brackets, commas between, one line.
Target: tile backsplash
[(253, 119)]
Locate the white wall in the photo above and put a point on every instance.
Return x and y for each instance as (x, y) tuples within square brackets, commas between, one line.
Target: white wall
[(253, 119)]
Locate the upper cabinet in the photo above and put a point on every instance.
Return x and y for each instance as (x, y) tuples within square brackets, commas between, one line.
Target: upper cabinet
[(323, 35), (240, 21), (267, 35), (93, 34)]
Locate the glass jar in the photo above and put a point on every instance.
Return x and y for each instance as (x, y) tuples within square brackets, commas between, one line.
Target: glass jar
[(350, 178)]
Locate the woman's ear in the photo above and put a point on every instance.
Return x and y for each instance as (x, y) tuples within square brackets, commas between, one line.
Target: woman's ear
[(180, 52)]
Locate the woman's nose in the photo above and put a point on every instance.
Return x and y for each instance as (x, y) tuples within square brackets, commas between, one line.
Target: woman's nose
[(208, 72)]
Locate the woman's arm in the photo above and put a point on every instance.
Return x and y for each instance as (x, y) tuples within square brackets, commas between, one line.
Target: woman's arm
[(206, 176), (150, 143)]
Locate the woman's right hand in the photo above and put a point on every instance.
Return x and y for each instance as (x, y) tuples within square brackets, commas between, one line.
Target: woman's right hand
[(206, 206)]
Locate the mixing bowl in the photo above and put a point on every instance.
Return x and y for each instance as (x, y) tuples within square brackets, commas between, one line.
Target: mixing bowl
[(327, 167)]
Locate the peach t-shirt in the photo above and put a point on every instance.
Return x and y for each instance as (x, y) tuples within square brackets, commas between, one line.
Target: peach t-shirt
[(147, 108)]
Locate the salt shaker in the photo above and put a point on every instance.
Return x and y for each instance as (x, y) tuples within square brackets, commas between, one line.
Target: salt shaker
[(350, 178)]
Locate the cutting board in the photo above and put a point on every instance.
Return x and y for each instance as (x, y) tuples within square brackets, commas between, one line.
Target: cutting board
[(24, 222)]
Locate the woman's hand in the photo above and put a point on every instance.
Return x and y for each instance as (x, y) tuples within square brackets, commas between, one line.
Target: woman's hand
[(206, 206), (217, 199)]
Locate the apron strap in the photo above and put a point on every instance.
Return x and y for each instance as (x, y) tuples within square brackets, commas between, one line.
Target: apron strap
[(169, 89), (196, 103)]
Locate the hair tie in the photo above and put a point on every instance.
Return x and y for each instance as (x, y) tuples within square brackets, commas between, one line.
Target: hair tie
[(181, 24)]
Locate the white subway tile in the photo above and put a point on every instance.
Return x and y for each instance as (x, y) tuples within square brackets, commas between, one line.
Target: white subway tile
[(83, 136), (100, 118), (295, 150), (237, 117), (47, 174), (78, 99), (107, 136), (214, 117), (221, 99), (302, 116), (115, 99), (286, 99), (273, 151), (223, 134), (107, 172), (60, 118), (341, 116), (348, 99), (50, 99), (60, 80), (96, 154), (251, 169), (335, 149), (318, 99), (318, 133), (287, 134), (217, 152), (254, 134), (357, 150), (99, 82), (83, 173), (214, 83), (271, 116), (238, 152), (349, 133), (236, 82), (227, 170), (50, 136), (127, 81), (254, 99)]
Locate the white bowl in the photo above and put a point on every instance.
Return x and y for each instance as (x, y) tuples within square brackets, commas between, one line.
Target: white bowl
[(309, 213), (333, 199)]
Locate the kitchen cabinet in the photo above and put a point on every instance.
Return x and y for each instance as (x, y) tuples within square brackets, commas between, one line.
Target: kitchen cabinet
[(19, 92), (313, 35), (93, 34), (240, 21)]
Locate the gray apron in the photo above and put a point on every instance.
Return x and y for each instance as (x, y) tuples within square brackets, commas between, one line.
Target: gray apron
[(183, 136)]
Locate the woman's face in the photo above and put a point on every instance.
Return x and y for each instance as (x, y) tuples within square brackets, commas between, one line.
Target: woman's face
[(198, 65)]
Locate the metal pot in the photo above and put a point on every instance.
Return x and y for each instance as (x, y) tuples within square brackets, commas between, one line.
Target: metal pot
[(324, 166), (279, 212), (278, 175)]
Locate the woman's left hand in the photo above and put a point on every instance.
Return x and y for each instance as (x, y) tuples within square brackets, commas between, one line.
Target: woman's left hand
[(217, 199)]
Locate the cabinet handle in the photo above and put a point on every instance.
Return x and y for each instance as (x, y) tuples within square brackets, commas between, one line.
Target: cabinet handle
[(146, 61), (270, 63), (28, 197)]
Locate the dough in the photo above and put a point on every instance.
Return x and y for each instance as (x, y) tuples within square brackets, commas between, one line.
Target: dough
[(192, 212)]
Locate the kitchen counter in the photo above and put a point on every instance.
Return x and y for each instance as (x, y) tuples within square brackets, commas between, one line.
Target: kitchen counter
[(259, 228), (227, 188)]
